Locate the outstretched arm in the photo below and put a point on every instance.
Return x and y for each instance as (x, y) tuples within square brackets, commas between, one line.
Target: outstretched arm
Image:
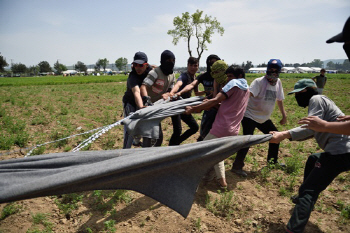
[(319, 125), (206, 105), (188, 87)]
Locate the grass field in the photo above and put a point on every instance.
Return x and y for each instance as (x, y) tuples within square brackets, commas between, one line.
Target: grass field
[(38, 110)]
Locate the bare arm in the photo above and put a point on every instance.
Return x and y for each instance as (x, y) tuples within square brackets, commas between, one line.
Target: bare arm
[(137, 95), (319, 125), (188, 87), (283, 112), (143, 90), (178, 84), (206, 105)]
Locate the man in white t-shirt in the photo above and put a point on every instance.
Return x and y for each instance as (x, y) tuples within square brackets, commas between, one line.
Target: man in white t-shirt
[(264, 92)]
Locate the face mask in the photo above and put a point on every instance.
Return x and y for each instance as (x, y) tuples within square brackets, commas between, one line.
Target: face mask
[(218, 71), (167, 67), (219, 77), (303, 98), (272, 79), (346, 48)]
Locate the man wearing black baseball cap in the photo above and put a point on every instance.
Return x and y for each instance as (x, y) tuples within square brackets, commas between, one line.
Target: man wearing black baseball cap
[(321, 168), (132, 100)]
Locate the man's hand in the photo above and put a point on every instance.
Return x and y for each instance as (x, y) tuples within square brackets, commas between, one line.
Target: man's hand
[(166, 96), (313, 123), (188, 110), (146, 101), (277, 137), (283, 121)]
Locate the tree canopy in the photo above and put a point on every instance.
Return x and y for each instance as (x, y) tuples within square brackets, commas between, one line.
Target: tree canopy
[(44, 67), (59, 67), (101, 63), (18, 68), (80, 66), (202, 28), (121, 62), (3, 63)]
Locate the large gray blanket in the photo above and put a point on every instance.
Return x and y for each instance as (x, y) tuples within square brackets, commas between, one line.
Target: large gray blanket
[(169, 175), (145, 122)]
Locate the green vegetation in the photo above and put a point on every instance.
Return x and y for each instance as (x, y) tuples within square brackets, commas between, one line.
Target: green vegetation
[(59, 80), (69, 202), (40, 220), (9, 209), (223, 206)]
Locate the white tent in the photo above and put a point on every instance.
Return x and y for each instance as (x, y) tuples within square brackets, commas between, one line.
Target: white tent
[(289, 70), (69, 72), (305, 69), (257, 70)]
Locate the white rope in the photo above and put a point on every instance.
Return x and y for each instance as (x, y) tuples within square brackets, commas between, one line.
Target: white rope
[(86, 142)]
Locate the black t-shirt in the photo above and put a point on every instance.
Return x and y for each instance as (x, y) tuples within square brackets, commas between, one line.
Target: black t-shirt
[(208, 82), (186, 79), (134, 80)]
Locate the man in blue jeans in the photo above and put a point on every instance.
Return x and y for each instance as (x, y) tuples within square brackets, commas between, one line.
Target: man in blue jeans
[(264, 92)]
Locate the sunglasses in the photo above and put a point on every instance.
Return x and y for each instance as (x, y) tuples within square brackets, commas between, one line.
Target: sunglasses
[(139, 65), (269, 72)]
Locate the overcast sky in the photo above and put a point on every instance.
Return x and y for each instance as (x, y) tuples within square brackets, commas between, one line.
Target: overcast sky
[(85, 30)]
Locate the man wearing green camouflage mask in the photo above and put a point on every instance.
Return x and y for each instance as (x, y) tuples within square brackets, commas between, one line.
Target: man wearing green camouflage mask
[(218, 72)]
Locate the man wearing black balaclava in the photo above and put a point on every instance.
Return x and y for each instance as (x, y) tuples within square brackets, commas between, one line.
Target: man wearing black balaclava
[(156, 86), (208, 83), (321, 168)]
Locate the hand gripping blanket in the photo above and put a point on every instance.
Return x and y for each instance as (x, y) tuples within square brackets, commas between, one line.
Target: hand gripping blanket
[(169, 175), (145, 122)]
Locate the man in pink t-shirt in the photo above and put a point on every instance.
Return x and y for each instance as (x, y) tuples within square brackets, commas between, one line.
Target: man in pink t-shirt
[(234, 98)]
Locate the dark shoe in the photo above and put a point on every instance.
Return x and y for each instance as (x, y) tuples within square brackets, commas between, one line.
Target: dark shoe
[(295, 199), (239, 172)]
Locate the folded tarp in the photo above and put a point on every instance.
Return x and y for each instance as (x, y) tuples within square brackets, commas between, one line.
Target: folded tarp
[(145, 122), (169, 175)]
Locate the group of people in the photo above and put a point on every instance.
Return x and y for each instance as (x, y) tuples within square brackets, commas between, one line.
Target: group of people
[(230, 102)]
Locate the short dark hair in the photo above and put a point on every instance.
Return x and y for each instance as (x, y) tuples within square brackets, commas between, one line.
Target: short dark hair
[(192, 60), (236, 71), (323, 70)]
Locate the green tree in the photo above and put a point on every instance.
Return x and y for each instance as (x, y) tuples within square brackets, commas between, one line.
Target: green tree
[(59, 67), (316, 63), (202, 28), (3, 63), (18, 68), (44, 67), (121, 63), (103, 63), (97, 66), (247, 66), (80, 66), (346, 64), (330, 65), (34, 70)]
